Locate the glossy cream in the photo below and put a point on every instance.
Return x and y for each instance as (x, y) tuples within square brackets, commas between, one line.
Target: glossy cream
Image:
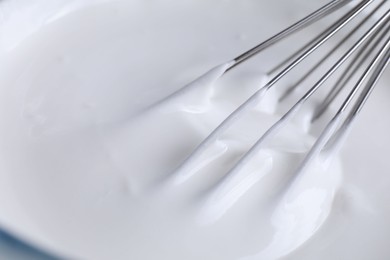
[(101, 104)]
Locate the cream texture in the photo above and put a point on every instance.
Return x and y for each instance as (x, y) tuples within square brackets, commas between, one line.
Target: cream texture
[(101, 104)]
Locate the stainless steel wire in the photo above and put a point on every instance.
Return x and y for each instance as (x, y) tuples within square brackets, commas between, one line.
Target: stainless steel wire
[(361, 50)]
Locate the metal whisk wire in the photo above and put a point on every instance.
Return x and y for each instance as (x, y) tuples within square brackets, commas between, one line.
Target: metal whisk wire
[(335, 129)]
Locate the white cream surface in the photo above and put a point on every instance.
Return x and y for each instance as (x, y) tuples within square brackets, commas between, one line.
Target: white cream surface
[(99, 108)]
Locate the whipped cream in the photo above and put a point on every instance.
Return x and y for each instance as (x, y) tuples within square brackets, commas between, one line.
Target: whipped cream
[(102, 107)]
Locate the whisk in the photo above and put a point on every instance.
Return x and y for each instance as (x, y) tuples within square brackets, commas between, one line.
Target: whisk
[(370, 53)]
